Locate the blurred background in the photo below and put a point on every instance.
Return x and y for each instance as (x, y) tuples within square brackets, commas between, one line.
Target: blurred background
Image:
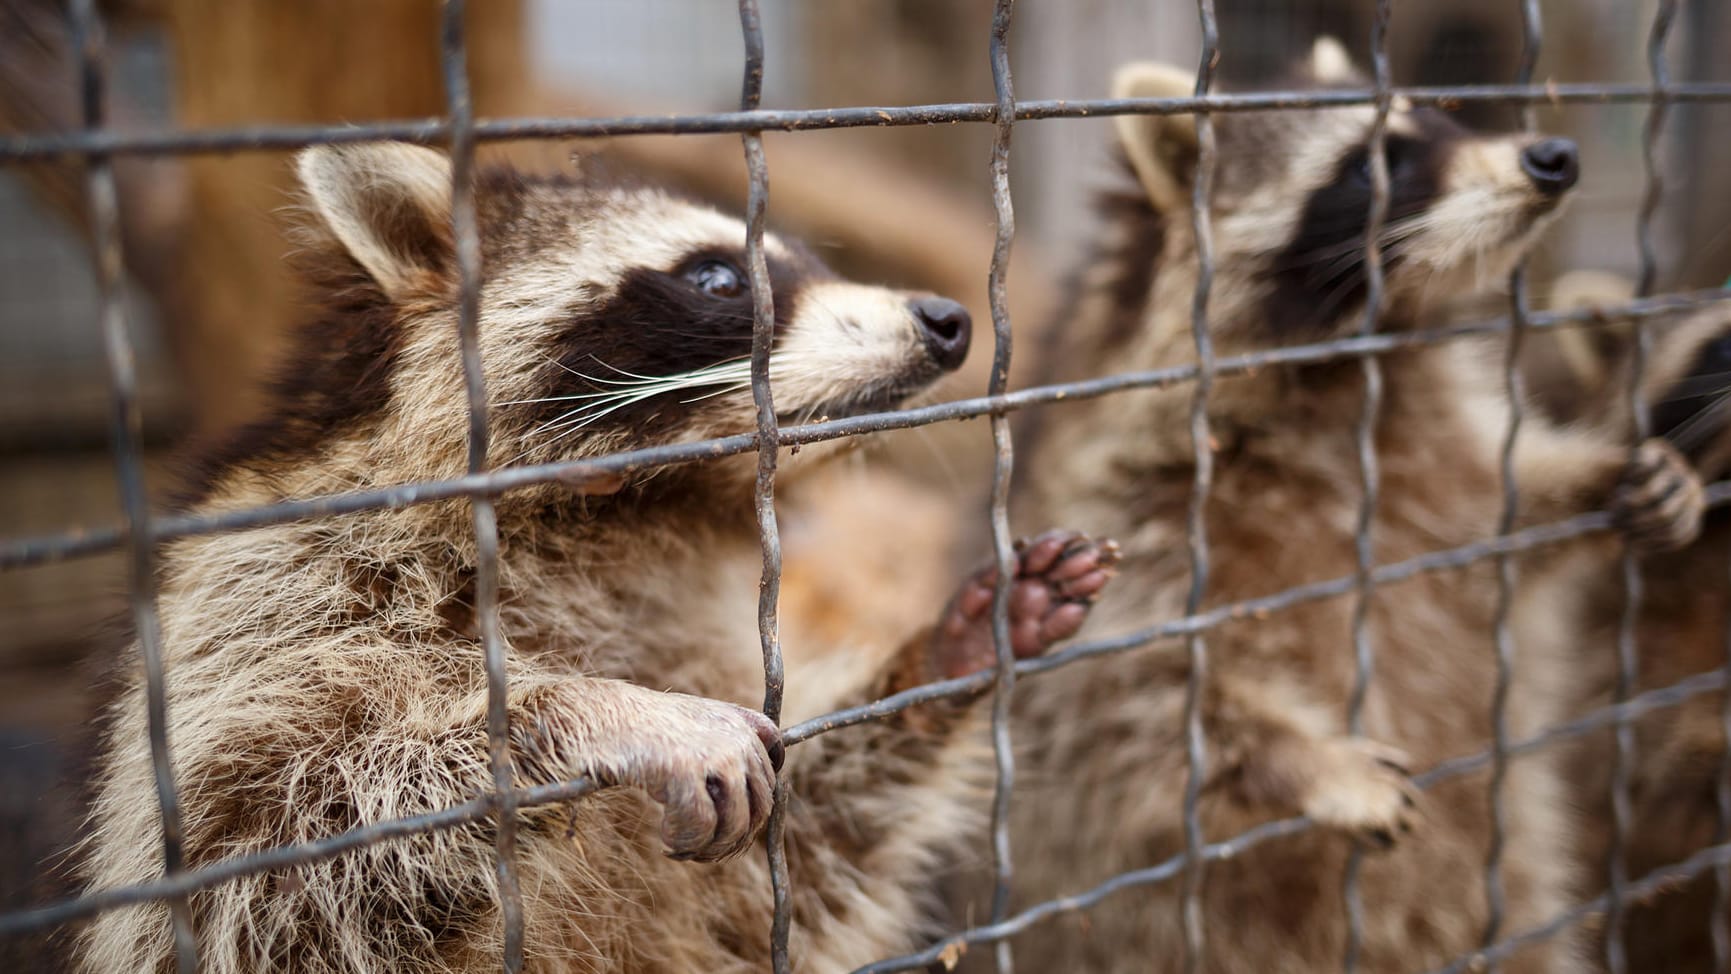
[(910, 206)]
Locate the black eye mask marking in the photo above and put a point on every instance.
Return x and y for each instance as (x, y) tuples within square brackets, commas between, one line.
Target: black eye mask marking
[(662, 323), (1319, 275)]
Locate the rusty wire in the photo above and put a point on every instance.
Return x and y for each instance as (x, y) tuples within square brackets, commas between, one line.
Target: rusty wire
[(1003, 465), (767, 443), (1370, 482), (276, 138), (120, 345), (1502, 634), (467, 242), (1634, 584), (139, 533)]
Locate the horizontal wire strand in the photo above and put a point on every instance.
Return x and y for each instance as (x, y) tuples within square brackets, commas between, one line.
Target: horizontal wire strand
[(276, 138)]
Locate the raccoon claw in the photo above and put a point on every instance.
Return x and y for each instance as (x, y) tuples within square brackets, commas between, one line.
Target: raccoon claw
[(714, 778), (1659, 502), (1361, 787), (1059, 574)]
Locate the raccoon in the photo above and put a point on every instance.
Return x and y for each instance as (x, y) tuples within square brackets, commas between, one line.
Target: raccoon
[(324, 675), (1681, 632), (1104, 740)]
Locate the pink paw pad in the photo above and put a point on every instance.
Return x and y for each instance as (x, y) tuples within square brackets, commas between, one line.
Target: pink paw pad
[(1059, 574)]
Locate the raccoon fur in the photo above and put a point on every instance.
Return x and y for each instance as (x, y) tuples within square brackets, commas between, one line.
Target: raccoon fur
[(327, 674), (1103, 740)]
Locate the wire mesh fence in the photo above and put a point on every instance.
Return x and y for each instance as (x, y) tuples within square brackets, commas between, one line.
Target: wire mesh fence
[(140, 532)]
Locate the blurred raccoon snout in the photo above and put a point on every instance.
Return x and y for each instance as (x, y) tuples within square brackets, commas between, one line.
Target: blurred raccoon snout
[(1553, 165), (945, 328)]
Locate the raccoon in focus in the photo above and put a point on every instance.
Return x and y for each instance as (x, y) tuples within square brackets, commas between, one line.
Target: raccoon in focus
[(1103, 740), (327, 674)]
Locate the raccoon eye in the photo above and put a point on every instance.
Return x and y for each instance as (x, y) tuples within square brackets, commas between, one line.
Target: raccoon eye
[(1395, 153), (1360, 169), (717, 278)]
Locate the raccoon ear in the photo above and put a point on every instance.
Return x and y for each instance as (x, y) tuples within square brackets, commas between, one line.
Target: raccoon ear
[(1161, 148), (1331, 65), (386, 205)]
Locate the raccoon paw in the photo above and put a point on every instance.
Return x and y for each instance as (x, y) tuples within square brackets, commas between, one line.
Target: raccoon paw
[(1360, 787), (1659, 502), (1059, 574), (712, 770)]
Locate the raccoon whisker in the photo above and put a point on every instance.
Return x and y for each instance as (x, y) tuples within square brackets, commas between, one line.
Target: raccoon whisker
[(728, 380), (588, 411), (723, 372), (1334, 299), (1353, 249), (555, 362), (736, 387), (570, 398), (1330, 277), (554, 421), (1697, 386), (1695, 430), (642, 379), (1354, 227), (578, 418), (1342, 263), (733, 377), (633, 388), (1348, 258), (571, 422), (576, 425), (1342, 282)]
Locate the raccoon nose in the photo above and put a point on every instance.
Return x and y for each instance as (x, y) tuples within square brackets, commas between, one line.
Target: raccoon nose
[(1554, 165), (946, 329)]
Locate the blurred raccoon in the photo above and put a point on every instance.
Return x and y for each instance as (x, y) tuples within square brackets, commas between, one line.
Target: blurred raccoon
[(327, 674), (1104, 769), (1568, 372), (1681, 632)]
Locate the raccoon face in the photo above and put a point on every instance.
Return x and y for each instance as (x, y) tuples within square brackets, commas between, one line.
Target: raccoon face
[(611, 316), (1293, 193)]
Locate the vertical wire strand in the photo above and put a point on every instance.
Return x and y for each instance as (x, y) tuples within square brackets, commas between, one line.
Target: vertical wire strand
[(1002, 468), (1634, 587), (466, 234), (769, 535), (1195, 527), (1508, 578), (1364, 653), (126, 431), (1502, 635)]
